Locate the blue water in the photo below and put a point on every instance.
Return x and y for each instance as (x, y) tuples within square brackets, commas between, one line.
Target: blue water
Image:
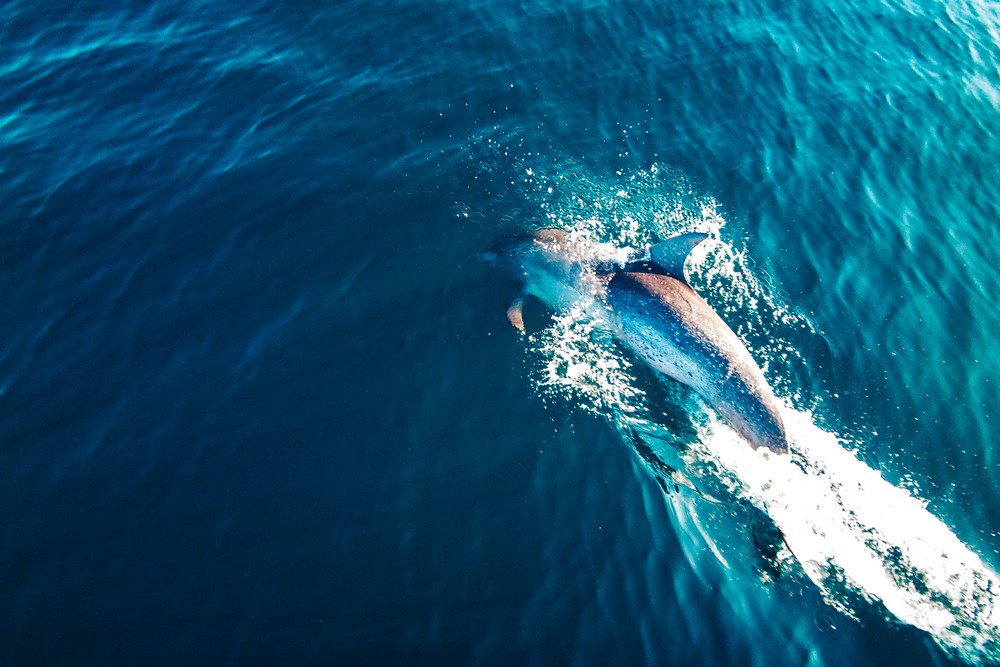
[(259, 403)]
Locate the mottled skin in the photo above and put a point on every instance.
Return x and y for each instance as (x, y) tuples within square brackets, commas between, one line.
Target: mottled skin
[(655, 312), (672, 329)]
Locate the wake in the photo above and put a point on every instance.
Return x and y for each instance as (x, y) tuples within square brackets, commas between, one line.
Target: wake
[(848, 527), (849, 531)]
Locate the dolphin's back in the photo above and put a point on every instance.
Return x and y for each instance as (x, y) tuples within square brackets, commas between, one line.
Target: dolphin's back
[(676, 332)]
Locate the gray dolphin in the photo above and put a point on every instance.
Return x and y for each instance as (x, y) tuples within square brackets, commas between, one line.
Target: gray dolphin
[(652, 309)]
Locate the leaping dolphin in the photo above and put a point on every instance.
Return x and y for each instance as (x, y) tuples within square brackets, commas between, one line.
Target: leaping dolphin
[(651, 307)]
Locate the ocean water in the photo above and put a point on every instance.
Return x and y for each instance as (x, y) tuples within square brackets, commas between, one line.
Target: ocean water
[(259, 402)]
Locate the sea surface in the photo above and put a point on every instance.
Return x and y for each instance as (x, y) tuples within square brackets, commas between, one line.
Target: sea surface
[(259, 402)]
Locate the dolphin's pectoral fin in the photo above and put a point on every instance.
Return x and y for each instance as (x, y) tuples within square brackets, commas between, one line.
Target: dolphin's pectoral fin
[(515, 308), (671, 254)]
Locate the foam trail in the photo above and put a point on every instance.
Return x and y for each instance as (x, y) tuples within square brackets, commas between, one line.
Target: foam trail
[(846, 525)]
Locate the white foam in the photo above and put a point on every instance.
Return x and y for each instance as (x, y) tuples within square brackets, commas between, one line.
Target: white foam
[(846, 525)]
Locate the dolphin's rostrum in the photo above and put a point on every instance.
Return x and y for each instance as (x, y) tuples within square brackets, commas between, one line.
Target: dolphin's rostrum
[(652, 309)]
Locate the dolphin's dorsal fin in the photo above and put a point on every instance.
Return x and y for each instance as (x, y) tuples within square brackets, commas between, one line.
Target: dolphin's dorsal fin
[(671, 254)]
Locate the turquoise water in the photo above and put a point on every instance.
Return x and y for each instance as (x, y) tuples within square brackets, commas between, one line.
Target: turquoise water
[(259, 402)]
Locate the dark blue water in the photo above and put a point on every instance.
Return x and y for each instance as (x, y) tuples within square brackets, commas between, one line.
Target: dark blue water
[(259, 403)]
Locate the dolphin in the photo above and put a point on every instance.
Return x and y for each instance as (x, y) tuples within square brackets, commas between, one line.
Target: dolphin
[(649, 305)]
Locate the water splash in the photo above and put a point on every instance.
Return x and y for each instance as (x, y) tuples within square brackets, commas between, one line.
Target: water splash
[(580, 360), (857, 537)]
